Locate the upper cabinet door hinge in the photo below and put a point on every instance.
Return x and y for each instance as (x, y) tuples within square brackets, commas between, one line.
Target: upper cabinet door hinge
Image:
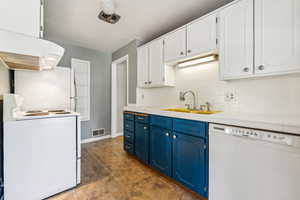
[(217, 20), (42, 2), (217, 41)]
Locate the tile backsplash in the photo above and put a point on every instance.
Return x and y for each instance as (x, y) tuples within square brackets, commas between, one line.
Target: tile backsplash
[(276, 95)]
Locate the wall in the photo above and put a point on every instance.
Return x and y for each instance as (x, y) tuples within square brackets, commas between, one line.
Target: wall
[(4, 81), (55, 85), (130, 50), (279, 95), (100, 85)]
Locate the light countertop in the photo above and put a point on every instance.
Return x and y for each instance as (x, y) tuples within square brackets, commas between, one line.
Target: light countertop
[(286, 124)]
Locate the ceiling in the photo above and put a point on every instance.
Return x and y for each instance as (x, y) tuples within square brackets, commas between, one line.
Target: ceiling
[(75, 21)]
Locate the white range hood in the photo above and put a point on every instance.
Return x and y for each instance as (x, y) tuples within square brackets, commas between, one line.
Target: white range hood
[(21, 52)]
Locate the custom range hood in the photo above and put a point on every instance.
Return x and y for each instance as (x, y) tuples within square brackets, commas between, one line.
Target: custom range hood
[(20, 52)]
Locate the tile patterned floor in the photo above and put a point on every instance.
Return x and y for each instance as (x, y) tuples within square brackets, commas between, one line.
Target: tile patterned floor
[(108, 173)]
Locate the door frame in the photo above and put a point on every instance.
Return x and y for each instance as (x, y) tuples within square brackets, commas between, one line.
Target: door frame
[(114, 93)]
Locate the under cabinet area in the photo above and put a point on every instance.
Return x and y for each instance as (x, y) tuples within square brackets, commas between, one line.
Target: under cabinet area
[(175, 147)]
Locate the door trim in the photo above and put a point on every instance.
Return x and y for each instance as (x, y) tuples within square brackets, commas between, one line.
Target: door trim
[(114, 92)]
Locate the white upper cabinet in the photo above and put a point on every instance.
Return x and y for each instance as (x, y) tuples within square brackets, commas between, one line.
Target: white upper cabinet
[(156, 63), (175, 45), (277, 35), (202, 36), (236, 40), (143, 66), (21, 16), (152, 71)]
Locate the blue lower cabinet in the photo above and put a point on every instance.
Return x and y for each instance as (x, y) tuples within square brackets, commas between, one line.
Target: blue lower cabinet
[(190, 162), (129, 137), (142, 142), (161, 150), (128, 147)]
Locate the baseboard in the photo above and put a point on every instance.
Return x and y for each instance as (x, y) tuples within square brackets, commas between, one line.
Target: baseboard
[(117, 135), (89, 140)]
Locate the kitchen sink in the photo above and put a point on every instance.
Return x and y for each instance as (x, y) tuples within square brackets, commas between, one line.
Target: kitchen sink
[(184, 110)]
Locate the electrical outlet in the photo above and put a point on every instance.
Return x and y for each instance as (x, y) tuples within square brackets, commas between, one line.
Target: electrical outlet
[(231, 96)]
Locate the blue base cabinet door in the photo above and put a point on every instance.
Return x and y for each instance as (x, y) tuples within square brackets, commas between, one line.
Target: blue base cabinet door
[(142, 142), (161, 150), (189, 162)]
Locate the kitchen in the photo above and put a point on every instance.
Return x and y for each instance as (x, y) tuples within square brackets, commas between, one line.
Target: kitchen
[(200, 104)]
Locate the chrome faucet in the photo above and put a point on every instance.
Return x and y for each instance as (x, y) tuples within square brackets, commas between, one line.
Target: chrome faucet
[(182, 98), (206, 107)]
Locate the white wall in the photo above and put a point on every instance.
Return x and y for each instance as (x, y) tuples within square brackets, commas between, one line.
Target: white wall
[(44, 90), (4, 80), (278, 95)]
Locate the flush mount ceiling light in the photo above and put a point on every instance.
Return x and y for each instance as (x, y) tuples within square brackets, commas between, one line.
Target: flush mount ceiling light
[(197, 61), (108, 12)]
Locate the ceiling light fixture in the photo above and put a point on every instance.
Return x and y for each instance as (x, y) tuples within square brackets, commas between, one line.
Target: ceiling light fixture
[(197, 61), (108, 12)]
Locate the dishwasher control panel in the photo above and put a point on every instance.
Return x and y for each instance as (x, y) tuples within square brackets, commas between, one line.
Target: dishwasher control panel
[(254, 134)]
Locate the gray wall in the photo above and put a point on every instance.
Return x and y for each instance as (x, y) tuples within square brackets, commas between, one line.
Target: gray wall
[(100, 85), (130, 50)]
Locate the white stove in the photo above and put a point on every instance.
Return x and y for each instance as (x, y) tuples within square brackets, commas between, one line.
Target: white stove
[(47, 144)]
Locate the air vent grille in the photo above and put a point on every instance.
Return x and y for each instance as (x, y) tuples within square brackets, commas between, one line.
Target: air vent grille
[(98, 132)]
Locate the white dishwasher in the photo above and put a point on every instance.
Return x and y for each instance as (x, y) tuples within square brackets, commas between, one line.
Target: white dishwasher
[(248, 164)]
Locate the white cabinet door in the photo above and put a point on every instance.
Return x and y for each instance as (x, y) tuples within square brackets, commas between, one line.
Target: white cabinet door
[(236, 40), (143, 66), (175, 45), (202, 36), (156, 63), (277, 33), (21, 16)]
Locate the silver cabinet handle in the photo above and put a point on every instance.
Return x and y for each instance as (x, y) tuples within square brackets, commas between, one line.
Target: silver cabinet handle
[(246, 69), (261, 67), (168, 134), (189, 51), (150, 82), (174, 137), (145, 128), (146, 82), (181, 53)]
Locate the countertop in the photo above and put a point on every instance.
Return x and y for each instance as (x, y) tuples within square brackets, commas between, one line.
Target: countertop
[(284, 124)]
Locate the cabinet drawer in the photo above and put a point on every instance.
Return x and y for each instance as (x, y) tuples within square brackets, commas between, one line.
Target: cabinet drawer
[(128, 116), (163, 122), (128, 137), (128, 147), (143, 118), (190, 127), (129, 125)]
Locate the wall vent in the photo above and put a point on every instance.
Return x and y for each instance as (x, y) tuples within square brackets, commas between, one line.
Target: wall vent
[(98, 132)]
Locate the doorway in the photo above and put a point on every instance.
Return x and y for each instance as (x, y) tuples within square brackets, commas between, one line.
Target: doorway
[(119, 94)]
